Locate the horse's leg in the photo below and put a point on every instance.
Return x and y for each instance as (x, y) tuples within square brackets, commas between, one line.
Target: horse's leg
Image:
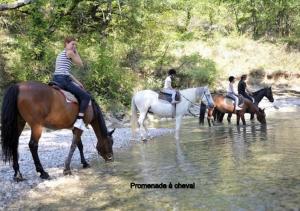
[(76, 137), (221, 116), (238, 118), (229, 115), (141, 124), (147, 132), (18, 176), (208, 120), (252, 116), (210, 117), (178, 125), (36, 133), (82, 158), (215, 114), (243, 118), (146, 129)]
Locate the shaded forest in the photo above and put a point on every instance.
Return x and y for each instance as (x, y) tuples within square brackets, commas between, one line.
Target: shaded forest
[(130, 44)]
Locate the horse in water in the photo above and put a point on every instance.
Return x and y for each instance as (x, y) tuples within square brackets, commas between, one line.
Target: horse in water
[(223, 106), (43, 106), (257, 96), (147, 101)]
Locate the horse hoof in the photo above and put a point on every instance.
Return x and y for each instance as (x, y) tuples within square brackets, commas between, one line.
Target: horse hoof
[(144, 140), (67, 172), (19, 179), (45, 175), (85, 165), (150, 137)]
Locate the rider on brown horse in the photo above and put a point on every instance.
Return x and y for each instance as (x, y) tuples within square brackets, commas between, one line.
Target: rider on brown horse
[(232, 93), (68, 82), (243, 89)]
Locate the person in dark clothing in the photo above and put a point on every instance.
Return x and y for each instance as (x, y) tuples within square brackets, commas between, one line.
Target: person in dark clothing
[(243, 89)]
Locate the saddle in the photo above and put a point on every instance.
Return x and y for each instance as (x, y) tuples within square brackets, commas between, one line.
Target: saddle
[(230, 99), (70, 98), (168, 97)]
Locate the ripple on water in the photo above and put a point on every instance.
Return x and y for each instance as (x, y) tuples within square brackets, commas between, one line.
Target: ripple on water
[(234, 168)]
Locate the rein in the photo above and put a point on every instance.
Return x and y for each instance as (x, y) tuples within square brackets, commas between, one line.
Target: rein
[(194, 104), (92, 140)]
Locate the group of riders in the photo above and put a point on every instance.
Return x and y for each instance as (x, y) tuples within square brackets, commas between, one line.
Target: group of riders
[(243, 90), (68, 82)]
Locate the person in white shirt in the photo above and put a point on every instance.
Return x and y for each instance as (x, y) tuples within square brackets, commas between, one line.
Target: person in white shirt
[(232, 93), (168, 85)]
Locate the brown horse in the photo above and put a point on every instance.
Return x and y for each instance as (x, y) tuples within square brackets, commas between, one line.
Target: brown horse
[(223, 106), (43, 106), (257, 96)]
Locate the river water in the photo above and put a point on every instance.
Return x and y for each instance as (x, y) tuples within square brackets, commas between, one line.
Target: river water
[(227, 167)]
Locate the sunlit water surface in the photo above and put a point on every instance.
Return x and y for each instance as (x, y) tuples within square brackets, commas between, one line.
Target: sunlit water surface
[(236, 168)]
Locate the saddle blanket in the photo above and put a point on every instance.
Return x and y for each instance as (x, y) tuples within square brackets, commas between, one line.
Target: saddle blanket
[(70, 98), (229, 100), (168, 97)]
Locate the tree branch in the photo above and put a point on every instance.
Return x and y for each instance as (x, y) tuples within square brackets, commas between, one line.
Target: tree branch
[(15, 5)]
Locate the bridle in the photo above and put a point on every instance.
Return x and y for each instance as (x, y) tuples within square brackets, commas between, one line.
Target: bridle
[(195, 104)]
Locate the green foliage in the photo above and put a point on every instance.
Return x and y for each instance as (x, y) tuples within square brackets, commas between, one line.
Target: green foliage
[(131, 43), (197, 71), (108, 81)]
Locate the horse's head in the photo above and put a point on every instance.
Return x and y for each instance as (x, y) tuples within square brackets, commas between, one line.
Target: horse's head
[(261, 116), (104, 147), (206, 96), (269, 94), (105, 140)]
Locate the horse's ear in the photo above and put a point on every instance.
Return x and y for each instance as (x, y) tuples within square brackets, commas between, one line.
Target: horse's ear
[(111, 132)]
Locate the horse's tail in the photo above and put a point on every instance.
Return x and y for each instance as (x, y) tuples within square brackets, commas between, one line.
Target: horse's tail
[(202, 113), (133, 117), (9, 124)]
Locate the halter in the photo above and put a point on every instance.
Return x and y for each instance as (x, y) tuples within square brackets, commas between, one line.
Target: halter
[(204, 94), (195, 104)]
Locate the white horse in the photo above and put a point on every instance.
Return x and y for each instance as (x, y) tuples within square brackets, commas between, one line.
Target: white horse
[(147, 101)]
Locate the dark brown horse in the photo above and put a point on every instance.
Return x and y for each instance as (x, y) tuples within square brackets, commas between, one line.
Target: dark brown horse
[(257, 96), (42, 106), (221, 105)]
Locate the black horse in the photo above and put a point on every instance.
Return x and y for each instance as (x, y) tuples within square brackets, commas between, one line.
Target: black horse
[(258, 96)]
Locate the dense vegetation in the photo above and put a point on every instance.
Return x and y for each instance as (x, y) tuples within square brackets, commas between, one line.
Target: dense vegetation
[(128, 44)]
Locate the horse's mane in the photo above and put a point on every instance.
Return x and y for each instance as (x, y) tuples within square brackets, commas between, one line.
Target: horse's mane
[(260, 90), (99, 117)]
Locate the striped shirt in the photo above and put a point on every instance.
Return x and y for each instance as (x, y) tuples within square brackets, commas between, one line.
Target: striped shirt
[(63, 64)]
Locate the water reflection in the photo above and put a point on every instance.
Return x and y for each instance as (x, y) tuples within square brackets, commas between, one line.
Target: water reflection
[(250, 167)]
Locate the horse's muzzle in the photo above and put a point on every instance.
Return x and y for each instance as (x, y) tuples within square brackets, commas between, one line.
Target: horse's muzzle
[(109, 158)]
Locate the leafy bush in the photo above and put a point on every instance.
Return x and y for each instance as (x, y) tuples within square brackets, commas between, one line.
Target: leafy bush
[(110, 83), (197, 71)]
